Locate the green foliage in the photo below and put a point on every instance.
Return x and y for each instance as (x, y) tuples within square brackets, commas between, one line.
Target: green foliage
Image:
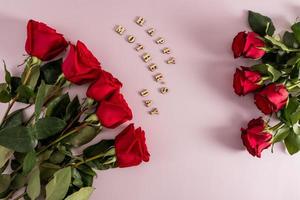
[(48, 126), (104, 154), (57, 107), (290, 40), (83, 136), (29, 162), (51, 71), (5, 95), (260, 24), (296, 30), (267, 70), (17, 138), (73, 109), (82, 194), (58, 187), (4, 182), (14, 119), (34, 184), (5, 155)]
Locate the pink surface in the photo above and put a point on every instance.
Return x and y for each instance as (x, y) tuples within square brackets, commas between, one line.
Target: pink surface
[(195, 141)]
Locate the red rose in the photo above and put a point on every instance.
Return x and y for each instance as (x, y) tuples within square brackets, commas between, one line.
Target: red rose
[(131, 147), (255, 137), (80, 66), (105, 86), (246, 81), (114, 111), (248, 45), (272, 98), (43, 42)]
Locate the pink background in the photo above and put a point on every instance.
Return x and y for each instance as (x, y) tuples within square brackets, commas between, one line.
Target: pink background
[(195, 141)]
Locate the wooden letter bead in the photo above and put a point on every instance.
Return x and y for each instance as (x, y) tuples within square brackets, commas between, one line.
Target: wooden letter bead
[(151, 31), (131, 39), (154, 111), (158, 77), (160, 41), (164, 90), (152, 67), (148, 103), (120, 29), (171, 60), (140, 21), (166, 50), (146, 57), (144, 93), (139, 47)]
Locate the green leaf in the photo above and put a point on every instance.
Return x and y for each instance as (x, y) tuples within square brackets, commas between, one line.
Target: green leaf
[(87, 179), (18, 182), (86, 170), (72, 109), (34, 184), (281, 135), (15, 83), (291, 113), (25, 93), (82, 194), (57, 107), (57, 157), (14, 119), (296, 30), (47, 171), (292, 142), (40, 98), (29, 162), (4, 182), (7, 74), (100, 148), (31, 76), (267, 70), (17, 138), (51, 71), (277, 43), (260, 24), (289, 40), (5, 155), (82, 137), (105, 152), (48, 126), (4, 93), (58, 187)]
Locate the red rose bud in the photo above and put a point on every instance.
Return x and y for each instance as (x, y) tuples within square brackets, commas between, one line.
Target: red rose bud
[(272, 98), (104, 87), (43, 42), (246, 81), (248, 45), (255, 137), (80, 66), (114, 111), (131, 147)]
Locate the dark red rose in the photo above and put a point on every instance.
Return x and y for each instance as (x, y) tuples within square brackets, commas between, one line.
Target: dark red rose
[(272, 98), (81, 66), (104, 87), (248, 45), (114, 111), (246, 81), (131, 147), (255, 137), (43, 42)]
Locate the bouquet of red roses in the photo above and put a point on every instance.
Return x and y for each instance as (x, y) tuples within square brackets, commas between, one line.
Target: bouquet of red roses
[(36, 153), (274, 80)]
